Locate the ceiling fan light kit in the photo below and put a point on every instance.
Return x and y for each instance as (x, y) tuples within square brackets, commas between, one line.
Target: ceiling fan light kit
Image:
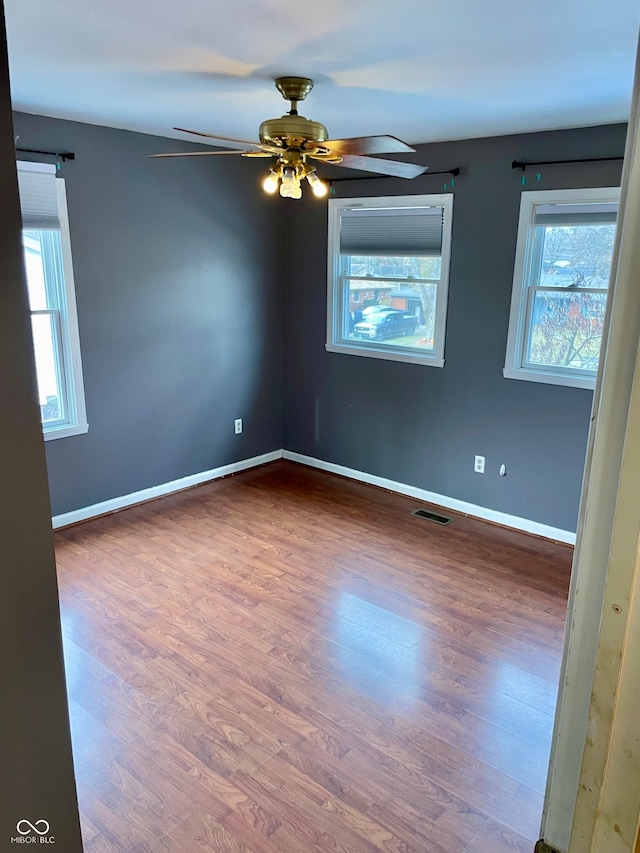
[(293, 139)]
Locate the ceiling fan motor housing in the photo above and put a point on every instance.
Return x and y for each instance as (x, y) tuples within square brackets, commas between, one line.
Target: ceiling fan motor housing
[(292, 131)]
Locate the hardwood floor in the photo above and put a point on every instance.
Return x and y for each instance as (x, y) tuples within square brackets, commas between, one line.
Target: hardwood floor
[(285, 661)]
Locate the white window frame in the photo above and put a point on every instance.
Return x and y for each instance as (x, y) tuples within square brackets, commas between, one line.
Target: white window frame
[(70, 362), (336, 275), (515, 367)]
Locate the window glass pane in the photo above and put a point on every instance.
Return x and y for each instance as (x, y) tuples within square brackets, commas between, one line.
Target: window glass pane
[(388, 277), (394, 267), (32, 245), (46, 347), (560, 285), (575, 255), (50, 290), (390, 313), (566, 329)]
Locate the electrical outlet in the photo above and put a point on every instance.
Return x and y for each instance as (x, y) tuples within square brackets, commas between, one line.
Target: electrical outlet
[(238, 425), (478, 465)]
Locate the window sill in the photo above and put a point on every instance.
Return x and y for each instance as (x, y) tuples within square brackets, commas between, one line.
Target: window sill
[(549, 378), (65, 431), (387, 355)]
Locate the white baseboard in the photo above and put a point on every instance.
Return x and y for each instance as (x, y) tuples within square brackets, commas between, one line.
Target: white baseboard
[(503, 518), (114, 504), (525, 524)]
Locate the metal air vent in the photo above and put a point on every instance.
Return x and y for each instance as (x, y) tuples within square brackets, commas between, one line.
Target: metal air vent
[(432, 516)]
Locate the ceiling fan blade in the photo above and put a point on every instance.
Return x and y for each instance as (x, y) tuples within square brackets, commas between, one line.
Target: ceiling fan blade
[(272, 149), (206, 154), (366, 145), (395, 168)]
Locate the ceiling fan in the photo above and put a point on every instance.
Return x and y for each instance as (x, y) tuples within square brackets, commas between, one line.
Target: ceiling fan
[(294, 139)]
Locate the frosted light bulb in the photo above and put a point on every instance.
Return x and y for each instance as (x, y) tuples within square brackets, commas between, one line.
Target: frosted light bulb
[(320, 189), (290, 186), (270, 184)]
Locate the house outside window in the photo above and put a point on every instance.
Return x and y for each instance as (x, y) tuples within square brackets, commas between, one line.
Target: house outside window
[(388, 277), (561, 285), (54, 324)]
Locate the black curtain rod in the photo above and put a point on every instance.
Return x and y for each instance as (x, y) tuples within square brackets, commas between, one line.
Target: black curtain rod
[(63, 155), (453, 172), (517, 164)]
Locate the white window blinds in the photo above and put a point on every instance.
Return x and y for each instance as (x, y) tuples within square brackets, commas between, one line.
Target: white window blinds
[(399, 232), (38, 188), (576, 214)]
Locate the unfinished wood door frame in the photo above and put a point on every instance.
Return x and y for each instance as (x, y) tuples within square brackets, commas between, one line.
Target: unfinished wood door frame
[(608, 800), (604, 552)]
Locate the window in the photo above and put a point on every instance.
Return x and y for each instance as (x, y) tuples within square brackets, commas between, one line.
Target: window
[(54, 324), (388, 277), (561, 285)]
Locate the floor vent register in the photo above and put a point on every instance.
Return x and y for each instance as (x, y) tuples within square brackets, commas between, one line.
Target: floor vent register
[(432, 516)]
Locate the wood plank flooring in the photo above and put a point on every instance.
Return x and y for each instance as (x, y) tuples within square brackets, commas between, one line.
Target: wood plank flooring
[(285, 661)]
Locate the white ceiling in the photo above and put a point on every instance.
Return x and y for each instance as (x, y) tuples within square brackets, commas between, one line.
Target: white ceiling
[(423, 70)]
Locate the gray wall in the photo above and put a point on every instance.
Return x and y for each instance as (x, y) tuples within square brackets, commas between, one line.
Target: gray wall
[(188, 276), (36, 772), (179, 307), (422, 425)]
